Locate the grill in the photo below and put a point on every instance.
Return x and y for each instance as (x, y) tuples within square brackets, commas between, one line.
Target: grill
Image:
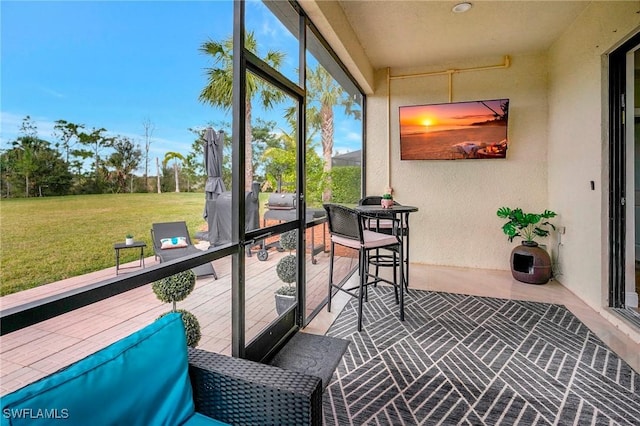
[(282, 208), (281, 202)]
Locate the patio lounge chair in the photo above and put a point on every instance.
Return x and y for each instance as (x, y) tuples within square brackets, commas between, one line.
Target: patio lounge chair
[(171, 241)]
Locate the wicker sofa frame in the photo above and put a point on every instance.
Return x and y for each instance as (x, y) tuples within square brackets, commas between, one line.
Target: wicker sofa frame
[(238, 391)]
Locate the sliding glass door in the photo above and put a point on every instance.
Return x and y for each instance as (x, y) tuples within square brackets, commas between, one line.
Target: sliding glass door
[(297, 143), (624, 174)]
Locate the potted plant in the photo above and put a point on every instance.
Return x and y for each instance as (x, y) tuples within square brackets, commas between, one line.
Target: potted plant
[(529, 262), (387, 201), (174, 289), (128, 240), (287, 270)]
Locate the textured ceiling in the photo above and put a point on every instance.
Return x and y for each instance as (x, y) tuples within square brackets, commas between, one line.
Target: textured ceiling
[(400, 34)]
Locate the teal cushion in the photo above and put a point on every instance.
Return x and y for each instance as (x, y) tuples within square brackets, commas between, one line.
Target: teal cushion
[(201, 420), (140, 380)]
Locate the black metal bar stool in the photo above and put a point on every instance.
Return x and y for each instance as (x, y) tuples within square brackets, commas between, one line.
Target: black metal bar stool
[(346, 229), (386, 224)]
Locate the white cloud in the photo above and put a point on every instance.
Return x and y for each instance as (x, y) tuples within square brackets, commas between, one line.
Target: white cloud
[(8, 120), (353, 136), (268, 29), (10, 126), (162, 146), (52, 92)]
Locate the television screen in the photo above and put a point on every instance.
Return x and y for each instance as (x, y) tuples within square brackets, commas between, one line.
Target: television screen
[(454, 131)]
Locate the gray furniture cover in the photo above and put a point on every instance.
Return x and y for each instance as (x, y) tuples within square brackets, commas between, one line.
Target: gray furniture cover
[(220, 223)]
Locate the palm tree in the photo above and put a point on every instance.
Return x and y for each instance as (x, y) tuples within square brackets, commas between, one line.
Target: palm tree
[(219, 89), (322, 89), (175, 156)]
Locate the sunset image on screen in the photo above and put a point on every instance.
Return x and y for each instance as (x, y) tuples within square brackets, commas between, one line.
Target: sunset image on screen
[(454, 131)]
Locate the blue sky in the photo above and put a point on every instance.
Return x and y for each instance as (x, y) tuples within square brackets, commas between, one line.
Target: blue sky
[(115, 64)]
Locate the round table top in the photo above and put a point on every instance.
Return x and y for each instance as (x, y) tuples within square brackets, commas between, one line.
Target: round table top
[(396, 208)]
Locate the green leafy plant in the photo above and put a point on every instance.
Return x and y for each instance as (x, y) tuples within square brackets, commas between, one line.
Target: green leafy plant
[(289, 240), (129, 236), (387, 197), (528, 226), (345, 185), (174, 289), (287, 267), (191, 326)]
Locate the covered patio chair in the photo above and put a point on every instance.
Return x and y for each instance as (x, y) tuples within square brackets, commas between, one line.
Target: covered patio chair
[(171, 241)]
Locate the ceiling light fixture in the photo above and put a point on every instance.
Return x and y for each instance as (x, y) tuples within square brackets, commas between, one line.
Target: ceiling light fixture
[(461, 7)]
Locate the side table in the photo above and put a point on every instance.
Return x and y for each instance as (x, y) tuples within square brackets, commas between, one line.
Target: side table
[(121, 246)]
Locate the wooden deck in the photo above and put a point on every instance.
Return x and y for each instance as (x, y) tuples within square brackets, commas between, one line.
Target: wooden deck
[(36, 351)]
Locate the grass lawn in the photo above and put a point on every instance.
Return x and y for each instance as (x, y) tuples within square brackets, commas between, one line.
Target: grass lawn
[(44, 240)]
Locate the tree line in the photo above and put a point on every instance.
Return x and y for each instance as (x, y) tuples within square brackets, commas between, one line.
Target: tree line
[(76, 163), (91, 162)]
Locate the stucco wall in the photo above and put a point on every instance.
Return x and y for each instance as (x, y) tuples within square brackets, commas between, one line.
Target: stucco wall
[(578, 142), (457, 223)]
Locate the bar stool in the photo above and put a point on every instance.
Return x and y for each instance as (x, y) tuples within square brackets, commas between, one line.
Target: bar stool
[(346, 229), (386, 224)]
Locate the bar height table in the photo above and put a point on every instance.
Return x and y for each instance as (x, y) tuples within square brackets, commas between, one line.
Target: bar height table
[(397, 212)]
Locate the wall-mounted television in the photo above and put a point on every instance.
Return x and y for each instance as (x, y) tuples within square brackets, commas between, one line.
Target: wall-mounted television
[(454, 131)]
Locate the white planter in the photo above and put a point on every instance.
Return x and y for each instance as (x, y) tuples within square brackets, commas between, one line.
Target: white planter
[(128, 241), (284, 302)]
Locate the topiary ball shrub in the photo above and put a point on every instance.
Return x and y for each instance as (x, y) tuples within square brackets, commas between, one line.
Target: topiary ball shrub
[(287, 268), (191, 326), (176, 287), (286, 290), (289, 240)]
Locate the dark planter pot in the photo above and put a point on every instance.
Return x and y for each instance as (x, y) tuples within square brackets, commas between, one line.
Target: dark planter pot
[(530, 264), (284, 302)]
